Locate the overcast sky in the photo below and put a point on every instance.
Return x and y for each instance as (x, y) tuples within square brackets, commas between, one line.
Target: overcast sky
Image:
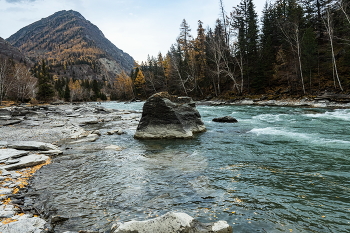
[(138, 27)]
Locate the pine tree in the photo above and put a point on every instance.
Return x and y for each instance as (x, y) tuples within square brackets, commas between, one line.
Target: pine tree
[(67, 93), (45, 87), (247, 28)]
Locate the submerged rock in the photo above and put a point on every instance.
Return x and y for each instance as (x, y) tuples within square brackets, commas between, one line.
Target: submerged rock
[(225, 119), (165, 117), (172, 223)]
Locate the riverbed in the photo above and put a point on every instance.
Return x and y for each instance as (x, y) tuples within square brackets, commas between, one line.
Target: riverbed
[(279, 169)]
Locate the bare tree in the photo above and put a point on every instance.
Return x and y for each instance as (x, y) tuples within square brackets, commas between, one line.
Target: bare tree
[(3, 74), (343, 5), (329, 27), (24, 84), (292, 36)]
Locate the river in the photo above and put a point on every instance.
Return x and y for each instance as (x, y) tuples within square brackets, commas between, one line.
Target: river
[(279, 169)]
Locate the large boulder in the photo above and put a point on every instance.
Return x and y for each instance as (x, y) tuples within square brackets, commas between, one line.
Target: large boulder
[(165, 117), (172, 223)]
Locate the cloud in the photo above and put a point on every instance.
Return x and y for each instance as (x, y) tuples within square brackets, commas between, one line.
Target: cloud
[(18, 1)]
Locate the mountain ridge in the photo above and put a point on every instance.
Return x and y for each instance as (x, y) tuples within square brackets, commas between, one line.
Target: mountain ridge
[(73, 46), (7, 51)]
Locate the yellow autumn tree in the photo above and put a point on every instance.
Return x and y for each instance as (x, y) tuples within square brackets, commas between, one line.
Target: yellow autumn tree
[(123, 86), (76, 91), (139, 82)]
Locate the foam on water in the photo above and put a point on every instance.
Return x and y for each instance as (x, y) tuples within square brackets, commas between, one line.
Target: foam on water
[(341, 114), (297, 136), (280, 132)]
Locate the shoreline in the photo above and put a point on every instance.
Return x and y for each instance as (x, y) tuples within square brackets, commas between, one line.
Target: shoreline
[(322, 103), (51, 128)]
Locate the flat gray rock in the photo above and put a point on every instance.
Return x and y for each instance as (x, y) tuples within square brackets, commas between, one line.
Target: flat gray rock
[(29, 225), (172, 223), (11, 153), (3, 144), (89, 121), (89, 138), (7, 214), (32, 145), (51, 152), (4, 191), (9, 122), (27, 161)]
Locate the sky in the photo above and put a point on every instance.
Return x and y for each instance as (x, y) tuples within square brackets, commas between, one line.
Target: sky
[(138, 27)]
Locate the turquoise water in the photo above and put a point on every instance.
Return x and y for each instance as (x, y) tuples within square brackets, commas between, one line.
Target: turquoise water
[(279, 169)]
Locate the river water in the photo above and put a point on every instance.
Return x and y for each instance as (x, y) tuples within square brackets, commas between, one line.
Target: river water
[(279, 169)]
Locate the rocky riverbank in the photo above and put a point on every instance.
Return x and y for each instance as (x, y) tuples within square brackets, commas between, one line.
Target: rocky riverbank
[(30, 135), (311, 103)]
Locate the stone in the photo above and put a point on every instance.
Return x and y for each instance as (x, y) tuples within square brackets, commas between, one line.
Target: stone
[(4, 191), (114, 147), (11, 153), (32, 145), (89, 121), (5, 114), (167, 117), (7, 214), (28, 225), (4, 172), (225, 119), (98, 132), (58, 218), (117, 131), (27, 161), (171, 223), (89, 138), (12, 161), (51, 152), (3, 144), (9, 122)]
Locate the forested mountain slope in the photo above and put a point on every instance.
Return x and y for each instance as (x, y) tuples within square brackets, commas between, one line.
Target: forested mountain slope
[(73, 47)]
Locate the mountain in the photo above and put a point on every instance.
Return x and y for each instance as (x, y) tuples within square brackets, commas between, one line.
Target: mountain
[(73, 46), (8, 51)]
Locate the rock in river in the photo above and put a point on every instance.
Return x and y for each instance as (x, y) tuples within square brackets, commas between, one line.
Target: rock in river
[(171, 223), (165, 116), (225, 119)]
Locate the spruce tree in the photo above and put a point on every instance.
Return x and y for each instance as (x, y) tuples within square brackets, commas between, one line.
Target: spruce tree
[(67, 94), (45, 88)]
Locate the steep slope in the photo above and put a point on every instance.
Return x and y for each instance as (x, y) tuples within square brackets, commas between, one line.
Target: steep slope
[(8, 51), (73, 46)]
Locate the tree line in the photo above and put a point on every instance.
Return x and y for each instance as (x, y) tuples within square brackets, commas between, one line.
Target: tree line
[(21, 83), (298, 48)]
